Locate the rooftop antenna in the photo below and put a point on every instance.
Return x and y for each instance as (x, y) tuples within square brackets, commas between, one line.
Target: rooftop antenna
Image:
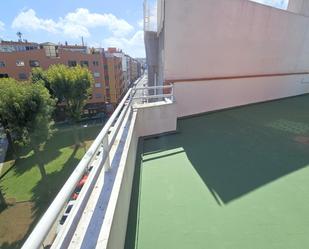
[(19, 34)]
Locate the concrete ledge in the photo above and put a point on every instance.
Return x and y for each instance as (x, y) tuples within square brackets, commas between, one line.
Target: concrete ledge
[(156, 118)]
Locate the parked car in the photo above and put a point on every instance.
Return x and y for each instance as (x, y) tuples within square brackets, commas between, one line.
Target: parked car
[(79, 187), (65, 215)]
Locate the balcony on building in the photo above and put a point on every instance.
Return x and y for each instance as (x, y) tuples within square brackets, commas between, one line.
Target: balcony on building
[(210, 148)]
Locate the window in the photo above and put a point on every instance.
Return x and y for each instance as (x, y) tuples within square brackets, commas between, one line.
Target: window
[(95, 63), (84, 63), (20, 63), (98, 85), (105, 67), (2, 64), (72, 63), (34, 63), (96, 74), (22, 76), (51, 50), (98, 95)]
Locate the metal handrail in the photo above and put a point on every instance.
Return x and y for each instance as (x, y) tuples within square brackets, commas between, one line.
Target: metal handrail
[(148, 96), (41, 230), (105, 140), (153, 87), (155, 96)]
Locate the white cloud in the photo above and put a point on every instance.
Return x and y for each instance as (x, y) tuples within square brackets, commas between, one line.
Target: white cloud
[(74, 24), (133, 46), (28, 20), (2, 26), (82, 17), (80, 22)]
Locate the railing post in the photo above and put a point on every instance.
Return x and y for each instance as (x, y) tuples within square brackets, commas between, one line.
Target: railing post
[(144, 96), (107, 164), (132, 93)]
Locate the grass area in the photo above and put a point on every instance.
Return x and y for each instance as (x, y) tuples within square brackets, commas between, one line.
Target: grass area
[(232, 179), (25, 184), (6, 166)]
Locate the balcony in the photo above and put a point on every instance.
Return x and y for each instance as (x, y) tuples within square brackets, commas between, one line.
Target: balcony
[(84, 214), (236, 178)]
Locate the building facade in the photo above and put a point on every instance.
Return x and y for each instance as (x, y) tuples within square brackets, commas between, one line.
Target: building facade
[(115, 81), (131, 68), (111, 69), (252, 53), (17, 59)]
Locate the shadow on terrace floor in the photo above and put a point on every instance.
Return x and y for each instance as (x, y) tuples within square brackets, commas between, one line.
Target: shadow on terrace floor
[(239, 150)]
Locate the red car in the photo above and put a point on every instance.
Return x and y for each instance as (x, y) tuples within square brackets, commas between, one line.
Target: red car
[(79, 187)]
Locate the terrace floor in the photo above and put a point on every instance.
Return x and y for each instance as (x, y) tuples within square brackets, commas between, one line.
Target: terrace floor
[(234, 179)]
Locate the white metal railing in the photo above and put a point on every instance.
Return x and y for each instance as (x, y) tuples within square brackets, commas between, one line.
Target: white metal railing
[(151, 93), (100, 147)]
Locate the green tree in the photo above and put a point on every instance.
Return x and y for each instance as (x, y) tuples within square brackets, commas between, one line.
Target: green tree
[(39, 76), (39, 107), (72, 87), (12, 117), (25, 114)]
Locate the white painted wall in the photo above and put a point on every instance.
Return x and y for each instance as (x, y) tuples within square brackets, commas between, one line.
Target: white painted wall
[(214, 38), (204, 96), (299, 6), (156, 118), (121, 195)]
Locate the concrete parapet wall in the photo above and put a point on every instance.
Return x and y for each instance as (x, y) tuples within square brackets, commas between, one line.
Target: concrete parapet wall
[(156, 118), (122, 192), (147, 119), (204, 96)]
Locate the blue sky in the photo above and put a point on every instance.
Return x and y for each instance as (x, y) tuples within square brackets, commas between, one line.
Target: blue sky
[(102, 23), (282, 4)]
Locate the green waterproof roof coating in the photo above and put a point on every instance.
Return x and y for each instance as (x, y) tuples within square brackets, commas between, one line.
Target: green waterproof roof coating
[(234, 179)]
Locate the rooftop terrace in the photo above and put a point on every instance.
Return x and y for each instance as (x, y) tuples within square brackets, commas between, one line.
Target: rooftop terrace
[(236, 178)]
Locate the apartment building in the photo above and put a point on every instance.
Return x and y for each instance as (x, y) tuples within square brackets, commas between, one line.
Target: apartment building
[(131, 68), (17, 59), (114, 80), (135, 69), (125, 63)]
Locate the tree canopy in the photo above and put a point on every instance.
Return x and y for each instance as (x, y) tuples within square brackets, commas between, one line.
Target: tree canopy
[(39, 76), (25, 111), (72, 87)]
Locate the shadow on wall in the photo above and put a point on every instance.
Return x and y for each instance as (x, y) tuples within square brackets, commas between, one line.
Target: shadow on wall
[(239, 150)]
